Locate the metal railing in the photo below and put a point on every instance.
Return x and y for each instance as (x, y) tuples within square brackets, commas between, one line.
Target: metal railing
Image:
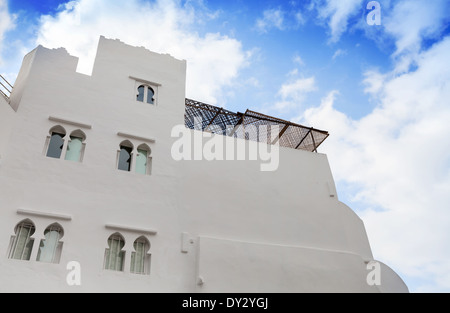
[(5, 87), (206, 117)]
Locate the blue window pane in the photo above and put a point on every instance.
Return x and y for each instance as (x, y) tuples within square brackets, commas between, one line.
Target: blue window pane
[(125, 159), (141, 162), (140, 96), (55, 146), (150, 95), (74, 149)]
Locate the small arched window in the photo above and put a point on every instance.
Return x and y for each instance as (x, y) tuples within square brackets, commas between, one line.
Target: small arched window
[(150, 95), (125, 156), (56, 142), (143, 160), (75, 147), (22, 243), (114, 256), (140, 259), (145, 94), (50, 247), (141, 92)]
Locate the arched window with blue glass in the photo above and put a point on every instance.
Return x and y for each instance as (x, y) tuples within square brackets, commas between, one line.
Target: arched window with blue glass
[(50, 247), (144, 160), (55, 142), (21, 243), (76, 146), (125, 156), (146, 94)]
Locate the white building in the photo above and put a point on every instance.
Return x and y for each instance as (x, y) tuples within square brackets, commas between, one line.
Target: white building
[(69, 190)]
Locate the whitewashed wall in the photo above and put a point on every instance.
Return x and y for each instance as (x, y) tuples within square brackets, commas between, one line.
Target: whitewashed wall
[(286, 222)]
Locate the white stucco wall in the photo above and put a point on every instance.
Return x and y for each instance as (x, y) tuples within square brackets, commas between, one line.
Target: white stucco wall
[(233, 215), (7, 119), (22, 79), (232, 266)]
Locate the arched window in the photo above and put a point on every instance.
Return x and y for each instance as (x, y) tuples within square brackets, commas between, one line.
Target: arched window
[(75, 147), (125, 156), (140, 259), (56, 142), (141, 92), (145, 94), (150, 95), (22, 243), (114, 256), (50, 247), (143, 160)]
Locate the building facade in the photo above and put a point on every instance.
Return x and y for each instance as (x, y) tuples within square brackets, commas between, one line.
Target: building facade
[(92, 198)]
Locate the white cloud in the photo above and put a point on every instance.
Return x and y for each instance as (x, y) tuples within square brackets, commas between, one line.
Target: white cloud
[(279, 19), (253, 82), (293, 94), (294, 72), (398, 157), (300, 86), (273, 18), (298, 60), (338, 53), (409, 22), (299, 18), (6, 20), (162, 26), (6, 23), (336, 14), (374, 82)]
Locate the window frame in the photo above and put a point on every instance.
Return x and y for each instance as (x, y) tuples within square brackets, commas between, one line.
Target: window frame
[(121, 253), (69, 135), (79, 134), (146, 257), (146, 84), (139, 143), (148, 159), (57, 249), (15, 240), (126, 144), (145, 95), (59, 130)]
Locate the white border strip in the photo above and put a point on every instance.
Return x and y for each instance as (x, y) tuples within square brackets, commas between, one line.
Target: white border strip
[(131, 229), (70, 122), (127, 135), (145, 81), (45, 214)]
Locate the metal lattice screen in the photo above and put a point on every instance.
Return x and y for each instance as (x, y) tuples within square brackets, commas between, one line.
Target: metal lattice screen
[(252, 126)]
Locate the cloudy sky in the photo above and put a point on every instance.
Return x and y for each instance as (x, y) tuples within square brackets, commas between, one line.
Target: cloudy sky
[(382, 91)]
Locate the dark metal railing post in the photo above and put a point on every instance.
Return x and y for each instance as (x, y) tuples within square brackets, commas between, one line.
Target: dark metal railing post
[(314, 142), (241, 120), (303, 139), (212, 120)]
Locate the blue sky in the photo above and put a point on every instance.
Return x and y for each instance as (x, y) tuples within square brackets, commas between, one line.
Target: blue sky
[(381, 91)]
